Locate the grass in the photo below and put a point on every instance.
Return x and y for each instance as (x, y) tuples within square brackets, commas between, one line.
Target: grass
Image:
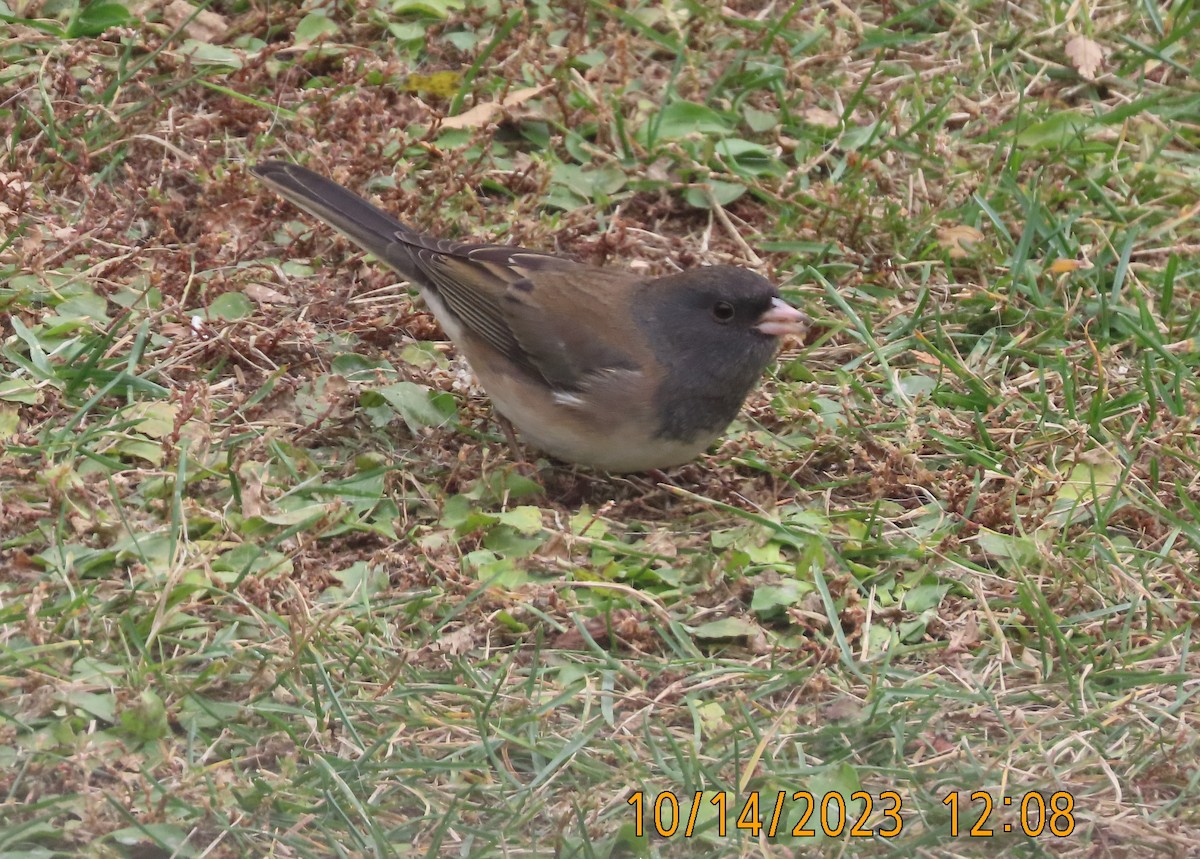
[(271, 584)]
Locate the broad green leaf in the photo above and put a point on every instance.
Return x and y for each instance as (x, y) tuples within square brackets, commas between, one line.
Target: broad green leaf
[(585, 523), (231, 306), (1006, 547), (774, 599), (100, 706), (86, 305), (250, 558), (407, 33), (857, 137), (1092, 481), (37, 353), (925, 596), (433, 8), (296, 268), (760, 120), (154, 838), (729, 628), (20, 391), (503, 486), (307, 514), (917, 384), (714, 192), (460, 515), (493, 570), (507, 541), (748, 156), (357, 583), (148, 451), (1056, 132), (681, 119), (423, 355), (10, 419), (154, 418), (146, 720), (590, 183), (94, 18), (713, 717), (418, 405), (360, 368), (200, 711), (313, 27), (204, 54), (527, 519)]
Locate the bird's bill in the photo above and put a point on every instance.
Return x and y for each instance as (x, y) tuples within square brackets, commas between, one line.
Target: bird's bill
[(781, 319)]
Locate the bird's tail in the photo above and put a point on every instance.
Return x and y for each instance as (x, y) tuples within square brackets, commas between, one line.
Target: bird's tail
[(367, 226)]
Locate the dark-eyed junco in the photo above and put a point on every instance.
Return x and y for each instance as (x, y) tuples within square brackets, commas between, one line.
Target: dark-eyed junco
[(596, 366)]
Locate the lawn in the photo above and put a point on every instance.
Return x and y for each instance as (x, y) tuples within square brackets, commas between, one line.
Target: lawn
[(273, 584)]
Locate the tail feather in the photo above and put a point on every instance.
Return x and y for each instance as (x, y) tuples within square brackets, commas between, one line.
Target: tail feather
[(366, 225)]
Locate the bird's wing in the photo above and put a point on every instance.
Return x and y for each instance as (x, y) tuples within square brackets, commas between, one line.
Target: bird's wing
[(552, 316), (576, 325)]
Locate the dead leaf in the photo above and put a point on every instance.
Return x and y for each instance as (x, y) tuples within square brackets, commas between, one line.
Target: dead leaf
[(960, 240), (207, 26), (253, 495), (455, 643), (265, 294), (442, 84), (662, 543), (14, 183), (335, 393), (622, 630), (822, 117), (1062, 266), (483, 113), (964, 639), (1086, 56), (841, 709)]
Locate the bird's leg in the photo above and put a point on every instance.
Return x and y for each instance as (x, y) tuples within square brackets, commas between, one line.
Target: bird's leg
[(519, 461)]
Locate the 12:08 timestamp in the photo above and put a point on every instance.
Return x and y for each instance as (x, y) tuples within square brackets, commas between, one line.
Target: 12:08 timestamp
[(1038, 814), (837, 815)]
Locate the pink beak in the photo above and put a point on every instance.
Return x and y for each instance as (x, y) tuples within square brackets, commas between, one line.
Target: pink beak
[(781, 319)]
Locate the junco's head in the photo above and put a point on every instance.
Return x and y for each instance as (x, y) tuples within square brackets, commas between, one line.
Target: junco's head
[(713, 330), (595, 366)]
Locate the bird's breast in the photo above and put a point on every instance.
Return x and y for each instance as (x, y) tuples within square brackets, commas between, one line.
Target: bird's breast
[(611, 425)]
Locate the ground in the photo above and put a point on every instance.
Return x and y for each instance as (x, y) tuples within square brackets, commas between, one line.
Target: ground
[(273, 583)]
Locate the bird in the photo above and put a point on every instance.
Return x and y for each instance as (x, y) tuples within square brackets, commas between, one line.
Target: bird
[(594, 365)]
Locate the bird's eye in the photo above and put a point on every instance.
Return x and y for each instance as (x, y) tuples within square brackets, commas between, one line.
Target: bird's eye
[(722, 312)]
